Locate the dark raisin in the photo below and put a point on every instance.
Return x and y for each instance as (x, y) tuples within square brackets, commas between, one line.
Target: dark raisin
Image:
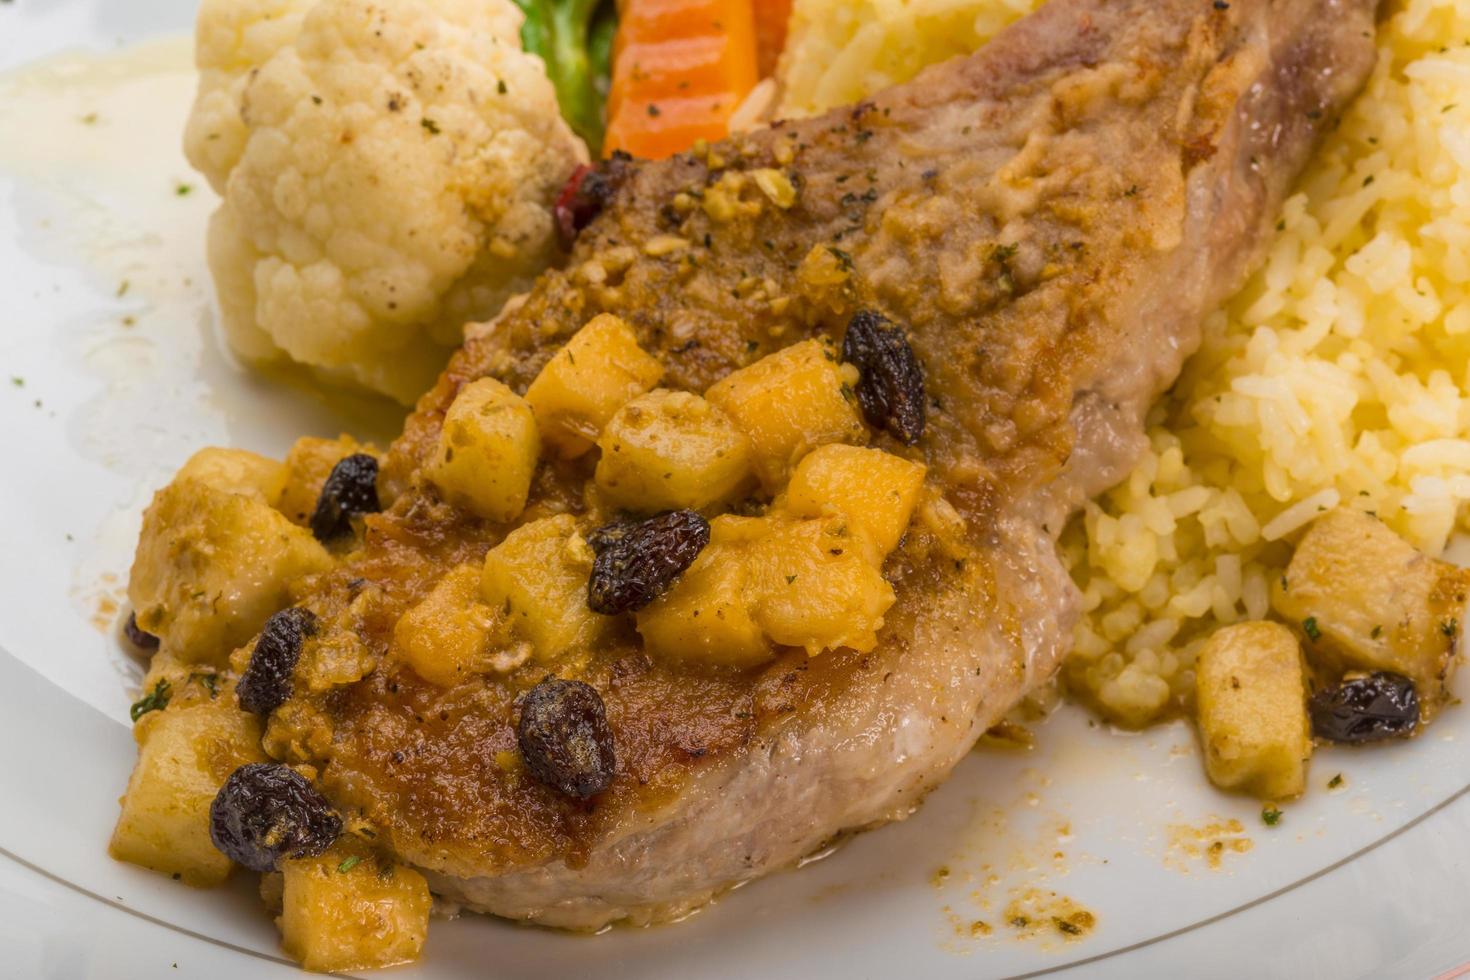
[(266, 683), (136, 636), (586, 193), (564, 738), (637, 562), (265, 812), (350, 490), (890, 390), (1368, 709)]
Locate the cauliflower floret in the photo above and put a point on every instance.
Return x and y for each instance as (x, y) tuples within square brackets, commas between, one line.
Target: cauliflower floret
[(387, 172)]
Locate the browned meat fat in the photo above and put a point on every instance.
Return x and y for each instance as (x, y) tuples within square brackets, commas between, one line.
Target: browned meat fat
[(1048, 220)]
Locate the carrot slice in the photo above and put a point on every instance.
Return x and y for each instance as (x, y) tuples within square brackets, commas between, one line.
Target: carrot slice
[(771, 18), (680, 68)]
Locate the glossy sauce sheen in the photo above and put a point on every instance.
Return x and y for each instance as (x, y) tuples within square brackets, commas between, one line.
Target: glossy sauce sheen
[(438, 766), (432, 762)]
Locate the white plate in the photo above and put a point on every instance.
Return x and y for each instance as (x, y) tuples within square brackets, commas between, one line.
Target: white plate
[(115, 387)]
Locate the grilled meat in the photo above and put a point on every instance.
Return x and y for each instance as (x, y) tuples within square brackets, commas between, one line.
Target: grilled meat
[(1049, 221)]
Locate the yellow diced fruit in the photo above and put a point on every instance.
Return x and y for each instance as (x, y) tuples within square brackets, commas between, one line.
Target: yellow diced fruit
[(236, 471), (706, 615), (211, 566), (348, 909), (875, 490), (308, 465), (185, 753), (815, 588), (598, 371), (789, 403), (537, 577), (1365, 599), (1251, 698), (487, 451), (452, 635), (671, 450)]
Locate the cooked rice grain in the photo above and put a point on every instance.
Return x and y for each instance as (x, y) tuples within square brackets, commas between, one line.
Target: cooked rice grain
[(841, 51)]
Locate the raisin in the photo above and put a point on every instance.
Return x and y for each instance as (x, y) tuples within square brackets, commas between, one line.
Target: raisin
[(350, 490), (586, 193), (136, 636), (637, 562), (266, 683), (265, 812), (564, 738), (890, 390), (1367, 709)]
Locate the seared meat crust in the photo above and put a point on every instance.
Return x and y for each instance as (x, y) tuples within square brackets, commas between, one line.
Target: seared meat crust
[(1049, 220)]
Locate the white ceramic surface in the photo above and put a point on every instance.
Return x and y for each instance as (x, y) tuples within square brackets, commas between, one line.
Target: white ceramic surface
[(106, 387)]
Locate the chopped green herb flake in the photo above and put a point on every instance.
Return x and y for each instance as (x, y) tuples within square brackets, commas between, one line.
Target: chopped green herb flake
[(208, 681), (1450, 627), (154, 700), (430, 125), (182, 189), (1270, 815), (349, 864), (1335, 781), (1377, 632), (1309, 627)]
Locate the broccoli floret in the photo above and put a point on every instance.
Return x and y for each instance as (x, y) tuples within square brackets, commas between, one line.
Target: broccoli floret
[(574, 38)]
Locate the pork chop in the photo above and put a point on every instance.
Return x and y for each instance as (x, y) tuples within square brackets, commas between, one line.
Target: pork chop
[(1050, 220)]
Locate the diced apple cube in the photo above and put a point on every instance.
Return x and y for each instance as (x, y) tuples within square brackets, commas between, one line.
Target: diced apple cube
[(487, 451), (452, 635), (598, 371), (788, 404), (537, 577), (184, 755), (1365, 599), (236, 471), (815, 587), (671, 450), (347, 909), (706, 615), (876, 491), (1251, 699), (211, 566)]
